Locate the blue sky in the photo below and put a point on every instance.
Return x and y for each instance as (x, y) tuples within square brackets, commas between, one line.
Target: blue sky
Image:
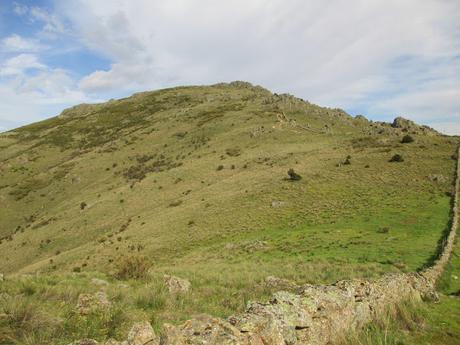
[(381, 58)]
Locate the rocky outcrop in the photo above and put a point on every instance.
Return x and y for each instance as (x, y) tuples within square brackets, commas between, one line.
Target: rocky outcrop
[(410, 126)]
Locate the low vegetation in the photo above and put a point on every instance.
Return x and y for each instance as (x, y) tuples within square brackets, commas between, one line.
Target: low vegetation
[(191, 182)]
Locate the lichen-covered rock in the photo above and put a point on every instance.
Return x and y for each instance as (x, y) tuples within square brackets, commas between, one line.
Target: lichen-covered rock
[(437, 178), (112, 342), (142, 334), (85, 342), (204, 329), (176, 285), (88, 303)]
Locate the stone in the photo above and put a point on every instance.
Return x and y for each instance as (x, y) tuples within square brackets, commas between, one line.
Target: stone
[(176, 285), (85, 342), (142, 334), (112, 342), (204, 329), (88, 303), (278, 204), (438, 178)]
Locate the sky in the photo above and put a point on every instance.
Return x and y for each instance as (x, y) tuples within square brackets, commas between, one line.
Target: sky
[(378, 58)]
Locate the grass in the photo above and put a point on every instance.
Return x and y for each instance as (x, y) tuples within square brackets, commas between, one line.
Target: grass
[(146, 169)]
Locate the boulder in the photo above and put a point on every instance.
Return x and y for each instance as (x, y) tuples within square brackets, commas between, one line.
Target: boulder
[(176, 285), (204, 329), (142, 334)]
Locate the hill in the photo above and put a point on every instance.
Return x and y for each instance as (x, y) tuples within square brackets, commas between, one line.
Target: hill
[(195, 180)]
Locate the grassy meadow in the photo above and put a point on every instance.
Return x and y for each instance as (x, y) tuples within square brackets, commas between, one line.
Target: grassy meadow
[(194, 181)]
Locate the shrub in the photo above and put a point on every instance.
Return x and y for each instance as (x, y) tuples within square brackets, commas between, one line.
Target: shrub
[(133, 267), (407, 139), (83, 205), (220, 167), (347, 160), (397, 158), (383, 230), (293, 176)]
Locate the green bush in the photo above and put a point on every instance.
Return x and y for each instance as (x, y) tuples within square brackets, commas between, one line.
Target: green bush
[(397, 158), (293, 176), (407, 139)]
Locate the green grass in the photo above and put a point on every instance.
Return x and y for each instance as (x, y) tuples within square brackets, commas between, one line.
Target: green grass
[(146, 168)]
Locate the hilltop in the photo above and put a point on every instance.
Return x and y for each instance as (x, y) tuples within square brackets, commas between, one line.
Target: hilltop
[(195, 180)]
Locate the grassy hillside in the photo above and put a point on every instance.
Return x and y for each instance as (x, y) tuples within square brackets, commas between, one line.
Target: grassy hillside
[(195, 179)]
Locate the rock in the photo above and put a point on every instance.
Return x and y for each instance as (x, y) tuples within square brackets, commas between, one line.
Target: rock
[(254, 246), (99, 282), (400, 122), (112, 342), (407, 125), (438, 178), (88, 303), (204, 329), (176, 285), (85, 342), (2, 277), (142, 334), (279, 283), (278, 204)]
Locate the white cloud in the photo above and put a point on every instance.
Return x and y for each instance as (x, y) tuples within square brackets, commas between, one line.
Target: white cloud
[(19, 9), (16, 43), (19, 64), (52, 23), (29, 98)]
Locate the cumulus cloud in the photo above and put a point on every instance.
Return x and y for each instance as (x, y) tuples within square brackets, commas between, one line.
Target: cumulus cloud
[(17, 43), (19, 64)]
